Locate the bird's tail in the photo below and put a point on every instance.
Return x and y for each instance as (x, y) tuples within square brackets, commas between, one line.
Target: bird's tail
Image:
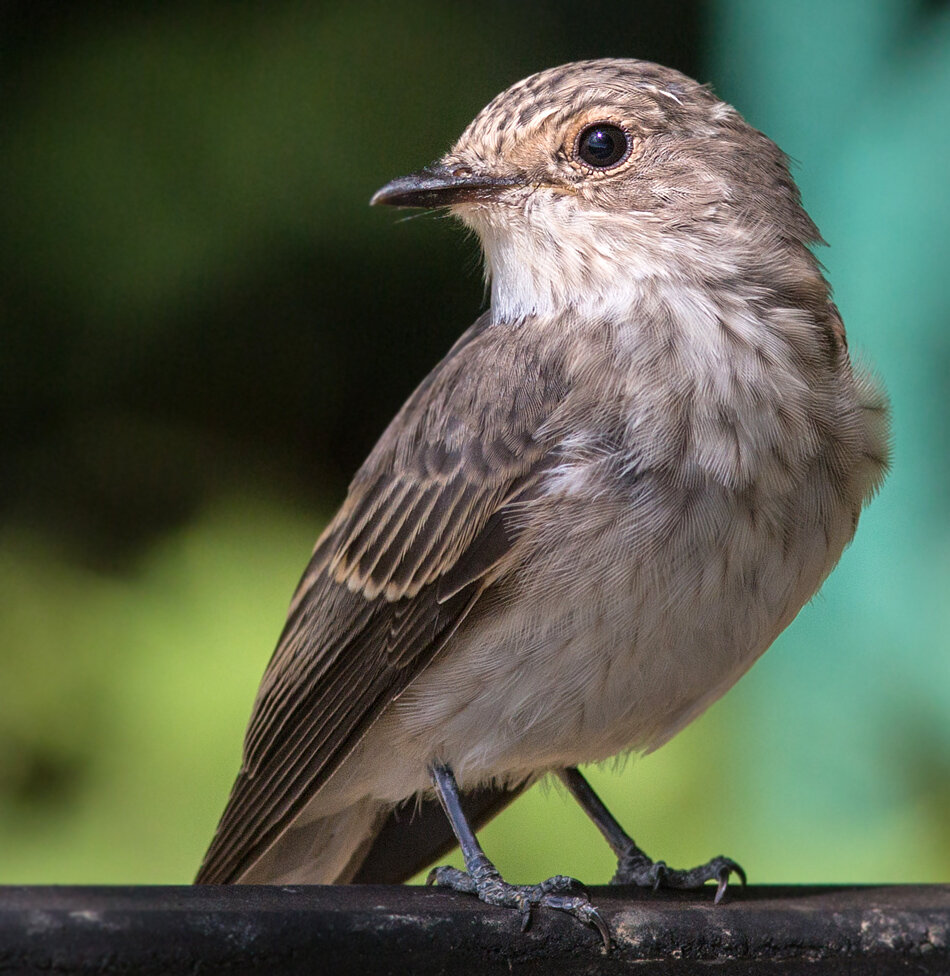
[(329, 850), (371, 841)]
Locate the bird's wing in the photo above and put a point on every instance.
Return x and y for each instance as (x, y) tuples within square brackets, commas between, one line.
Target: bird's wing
[(421, 534)]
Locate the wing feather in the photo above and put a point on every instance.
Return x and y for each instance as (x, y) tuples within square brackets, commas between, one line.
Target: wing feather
[(422, 533)]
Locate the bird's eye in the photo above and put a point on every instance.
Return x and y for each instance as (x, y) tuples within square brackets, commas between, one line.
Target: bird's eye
[(602, 145)]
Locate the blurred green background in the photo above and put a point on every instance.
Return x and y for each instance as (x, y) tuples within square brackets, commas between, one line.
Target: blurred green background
[(204, 329)]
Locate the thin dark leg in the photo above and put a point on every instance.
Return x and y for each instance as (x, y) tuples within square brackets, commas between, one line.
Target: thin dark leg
[(483, 879), (448, 793), (633, 865), (593, 806)]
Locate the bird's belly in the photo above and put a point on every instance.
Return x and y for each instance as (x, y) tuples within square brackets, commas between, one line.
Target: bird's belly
[(607, 644)]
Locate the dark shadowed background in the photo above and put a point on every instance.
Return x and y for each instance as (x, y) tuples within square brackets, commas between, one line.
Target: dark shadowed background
[(203, 329)]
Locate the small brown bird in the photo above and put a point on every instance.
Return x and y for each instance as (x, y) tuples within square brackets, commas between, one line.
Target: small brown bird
[(592, 517)]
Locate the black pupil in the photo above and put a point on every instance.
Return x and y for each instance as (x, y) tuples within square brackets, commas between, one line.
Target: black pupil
[(602, 145)]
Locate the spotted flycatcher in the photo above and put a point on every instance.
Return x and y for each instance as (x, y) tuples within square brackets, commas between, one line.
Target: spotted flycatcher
[(615, 491)]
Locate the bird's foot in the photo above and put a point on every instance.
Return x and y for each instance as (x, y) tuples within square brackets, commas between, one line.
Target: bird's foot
[(560, 892), (634, 867)]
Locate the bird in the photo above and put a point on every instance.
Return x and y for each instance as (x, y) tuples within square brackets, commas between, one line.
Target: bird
[(619, 486)]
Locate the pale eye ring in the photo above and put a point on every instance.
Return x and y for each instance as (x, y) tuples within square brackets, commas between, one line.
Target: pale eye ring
[(603, 145)]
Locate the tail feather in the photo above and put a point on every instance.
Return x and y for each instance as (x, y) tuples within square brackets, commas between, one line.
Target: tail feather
[(371, 842), (325, 851)]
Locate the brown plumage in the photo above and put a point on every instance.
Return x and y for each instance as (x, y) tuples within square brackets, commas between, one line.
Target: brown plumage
[(419, 537), (597, 511)]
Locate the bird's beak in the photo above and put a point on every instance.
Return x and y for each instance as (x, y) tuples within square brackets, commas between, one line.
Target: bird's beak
[(440, 186)]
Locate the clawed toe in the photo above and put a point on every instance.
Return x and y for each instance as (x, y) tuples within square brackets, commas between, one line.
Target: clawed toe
[(560, 893), (636, 868), (659, 873), (585, 912), (724, 867)]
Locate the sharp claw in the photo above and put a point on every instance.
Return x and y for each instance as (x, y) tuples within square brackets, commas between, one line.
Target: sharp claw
[(431, 876), (594, 918), (525, 914), (724, 872), (723, 884)]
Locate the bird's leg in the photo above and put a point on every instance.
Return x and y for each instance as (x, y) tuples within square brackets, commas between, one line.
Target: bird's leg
[(635, 867), (483, 879)]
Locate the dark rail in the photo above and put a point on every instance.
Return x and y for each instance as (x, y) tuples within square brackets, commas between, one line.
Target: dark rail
[(372, 930)]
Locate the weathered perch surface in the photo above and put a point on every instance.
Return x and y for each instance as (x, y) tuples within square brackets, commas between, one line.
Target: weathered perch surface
[(372, 930)]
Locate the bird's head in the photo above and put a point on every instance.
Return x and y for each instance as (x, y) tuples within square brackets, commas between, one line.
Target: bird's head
[(584, 180)]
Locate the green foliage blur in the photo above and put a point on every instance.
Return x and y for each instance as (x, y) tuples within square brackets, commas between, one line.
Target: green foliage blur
[(204, 328)]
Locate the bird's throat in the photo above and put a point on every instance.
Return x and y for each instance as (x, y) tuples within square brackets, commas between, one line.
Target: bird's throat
[(548, 267)]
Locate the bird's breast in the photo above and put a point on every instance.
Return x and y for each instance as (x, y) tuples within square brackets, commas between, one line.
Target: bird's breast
[(699, 491), (636, 606)]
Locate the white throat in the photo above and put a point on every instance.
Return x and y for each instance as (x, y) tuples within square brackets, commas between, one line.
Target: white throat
[(547, 260)]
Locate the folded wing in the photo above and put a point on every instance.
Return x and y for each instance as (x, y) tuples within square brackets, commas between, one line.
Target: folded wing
[(425, 528)]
